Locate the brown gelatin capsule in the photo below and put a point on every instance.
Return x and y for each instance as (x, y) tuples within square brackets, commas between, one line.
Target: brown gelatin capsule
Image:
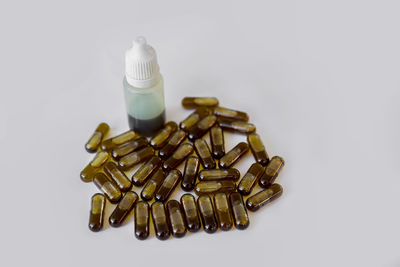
[(142, 216), (203, 151), (110, 143), (231, 114), (168, 185), (207, 214), (98, 203), (194, 118), (271, 171), (189, 206), (223, 211), (217, 142), (129, 147), (202, 127), (94, 166), (190, 173), (161, 137), (109, 188), (128, 161), (176, 219), (194, 102), (213, 187), (98, 135), (250, 179), (123, 208), (258, 149), (169, 148), (150, 189), (219, 174), (233, 155), (236, 126), (239, 212), (160, 220), (263, 197), (183, 151), (118, 176), (145, 171)]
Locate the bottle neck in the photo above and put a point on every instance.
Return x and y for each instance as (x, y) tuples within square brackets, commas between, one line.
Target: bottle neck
[(143, 83)]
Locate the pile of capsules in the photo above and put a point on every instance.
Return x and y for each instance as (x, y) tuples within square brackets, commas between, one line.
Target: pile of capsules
[(219, 202)]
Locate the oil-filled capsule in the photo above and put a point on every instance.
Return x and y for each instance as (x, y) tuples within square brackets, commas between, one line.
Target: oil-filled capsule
[(95, 140), (142, 216), (190, 173), (271, 171), (236, 126), (123, 208), (176, 219), (258, 149), (213, 187), (108, 187), (98, 203), (217, 141), (168, 185), (172, 144), (160, 220), (129, 147), (231, 114), (240, 216), (160, 139), (204, 153), (189, 206), (128, 161), (110, 143), (219, 174), (183, 151), (194, 118), (145, 171), (207, 214), (202, 127), (94, 166), (151, 187), (264, 197), (233, 155), (118, 176), (223, 211), (250, 179), (194, 102)]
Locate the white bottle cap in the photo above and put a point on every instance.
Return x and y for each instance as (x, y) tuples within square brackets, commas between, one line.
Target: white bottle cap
[(141, 66)]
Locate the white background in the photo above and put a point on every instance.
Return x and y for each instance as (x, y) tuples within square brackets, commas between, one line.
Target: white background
[(320, 79)]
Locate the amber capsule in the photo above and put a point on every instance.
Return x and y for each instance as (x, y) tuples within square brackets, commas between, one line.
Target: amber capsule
[(108, 187), (160, 220), (189, 206), (202, 127), (151, 187), (231, 114), (213, 187), (207, 214), (168, 185), (233, 155), (223, 211), (194, 102), (98, 203), (128, 161), (219, 174), (145, 171), (239, 212), (129, 147), (176, 219), (110, 143), (190, 173), (250, 179), (94, 166), (172, 144), (161, 137), (194, 118), (236, 126), (263, 197), (98, 135), (217, 142), (271, 171), (183, 151), (123, 208), (142, 216), (203, 151), (118, 176), (258, 149)]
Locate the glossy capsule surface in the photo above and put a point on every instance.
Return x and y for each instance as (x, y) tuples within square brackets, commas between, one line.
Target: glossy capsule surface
[(176, 218), (190, 173), (231, 114), (204, 153), (213, 187), (98, 203), (162, 136), (168, 185), (189, 206), (95, 140), (110, 143), (202, 127), (142, 217), (108, 187), (181, 153), (140, 177), (250, 179), (128, 161), (194, 118), (207, 214), (236, 126), (123, 208), (219, 174), (129, 147), (223, 211), (271, 171), (118, 176), (194, 102), (94, 166), (232, 156), (257, 148), (168, 149), (264, 197), (217, 142), (239, 212), (151, 187), (160, 220)]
